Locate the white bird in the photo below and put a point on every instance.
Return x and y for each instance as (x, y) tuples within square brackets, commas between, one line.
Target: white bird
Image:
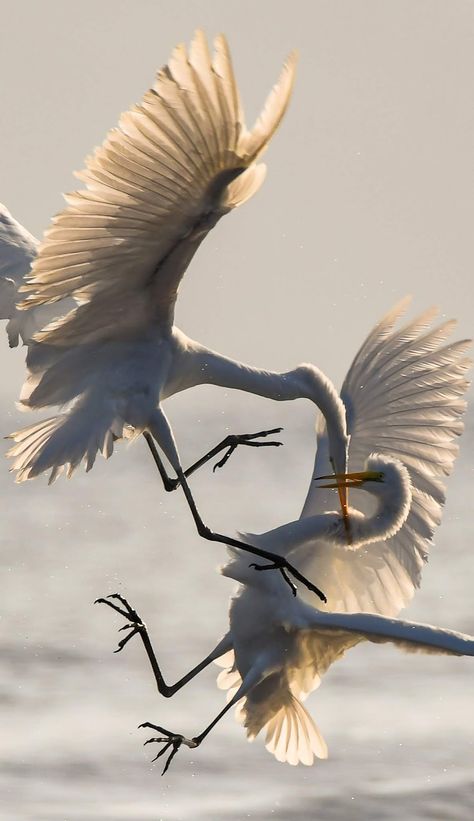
[(175, 165), (405, 397), (18, 249)]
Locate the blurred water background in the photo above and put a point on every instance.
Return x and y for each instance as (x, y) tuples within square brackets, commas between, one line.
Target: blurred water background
[(400, 728)]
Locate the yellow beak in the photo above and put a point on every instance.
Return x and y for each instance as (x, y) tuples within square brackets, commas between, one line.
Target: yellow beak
[(345, 480), (343, 501), (342, 482)]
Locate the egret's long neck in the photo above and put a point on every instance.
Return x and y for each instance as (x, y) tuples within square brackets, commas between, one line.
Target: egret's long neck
[(393, 502), (197, 365)]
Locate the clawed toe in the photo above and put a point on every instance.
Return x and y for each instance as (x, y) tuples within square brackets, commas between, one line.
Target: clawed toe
[(277, 566), (286, 569), (134, 622), (248, 439), (170, 740)]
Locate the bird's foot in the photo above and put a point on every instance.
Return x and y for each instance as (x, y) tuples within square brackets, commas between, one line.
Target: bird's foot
[(232, 442), (277, 566), (134, 622), (171, 741), (286, 569)]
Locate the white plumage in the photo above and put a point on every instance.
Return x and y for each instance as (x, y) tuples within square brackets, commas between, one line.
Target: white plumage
[(176, 163), (18, 249), (404, 395)]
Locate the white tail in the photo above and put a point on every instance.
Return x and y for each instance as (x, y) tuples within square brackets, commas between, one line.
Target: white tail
[(63, 442), (292, 735)]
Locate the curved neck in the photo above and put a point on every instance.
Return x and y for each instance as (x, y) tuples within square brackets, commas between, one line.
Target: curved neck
[(393, 503), (195, 365), (390, 515)]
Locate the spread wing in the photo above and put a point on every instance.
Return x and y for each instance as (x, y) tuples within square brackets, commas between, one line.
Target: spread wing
[(404, 397), (174, 165), (18, 249), (330, 635)]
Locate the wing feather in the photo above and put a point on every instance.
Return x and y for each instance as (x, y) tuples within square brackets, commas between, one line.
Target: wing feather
[(404, 397), (329, 636), (155, 187)]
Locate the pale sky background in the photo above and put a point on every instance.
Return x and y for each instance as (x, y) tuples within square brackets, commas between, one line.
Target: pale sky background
[(369, 191)]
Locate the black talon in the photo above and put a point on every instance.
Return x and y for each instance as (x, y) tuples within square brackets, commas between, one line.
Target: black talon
[(290, 584), (272, 566), (125, 640), (284, 572), (234, 440), (275, 566), (227, 455), (127, 627), (120, 598), (170, 757), (125, 614), (169, 740), (163, 751), (158, 729), (132, 613), (134, 622)]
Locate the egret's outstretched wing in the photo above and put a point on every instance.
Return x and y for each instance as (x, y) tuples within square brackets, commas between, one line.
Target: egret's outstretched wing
[(291, 732), (330, 635), (404, 396), (174, 165), (18, 249)]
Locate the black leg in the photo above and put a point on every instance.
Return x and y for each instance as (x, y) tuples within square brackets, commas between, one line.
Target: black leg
[(138, 627), (230, 443), (168, 482), (275, 562)]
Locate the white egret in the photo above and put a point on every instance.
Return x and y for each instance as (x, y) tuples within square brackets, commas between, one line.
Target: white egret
[(175, 165), (405, 397), (18, 249)]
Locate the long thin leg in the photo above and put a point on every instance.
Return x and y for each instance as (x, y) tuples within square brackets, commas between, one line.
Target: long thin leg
[(175, 740), (230, 443), (160, 430), (138, 627)]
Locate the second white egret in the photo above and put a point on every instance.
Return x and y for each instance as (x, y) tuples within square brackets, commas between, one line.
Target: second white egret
[(405, 397)]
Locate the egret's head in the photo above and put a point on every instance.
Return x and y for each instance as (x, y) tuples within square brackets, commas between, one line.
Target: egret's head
[(391, 485), (388, 481)]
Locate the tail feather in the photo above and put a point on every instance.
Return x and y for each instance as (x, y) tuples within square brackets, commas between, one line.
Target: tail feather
[(292, 735), (63, 442)]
